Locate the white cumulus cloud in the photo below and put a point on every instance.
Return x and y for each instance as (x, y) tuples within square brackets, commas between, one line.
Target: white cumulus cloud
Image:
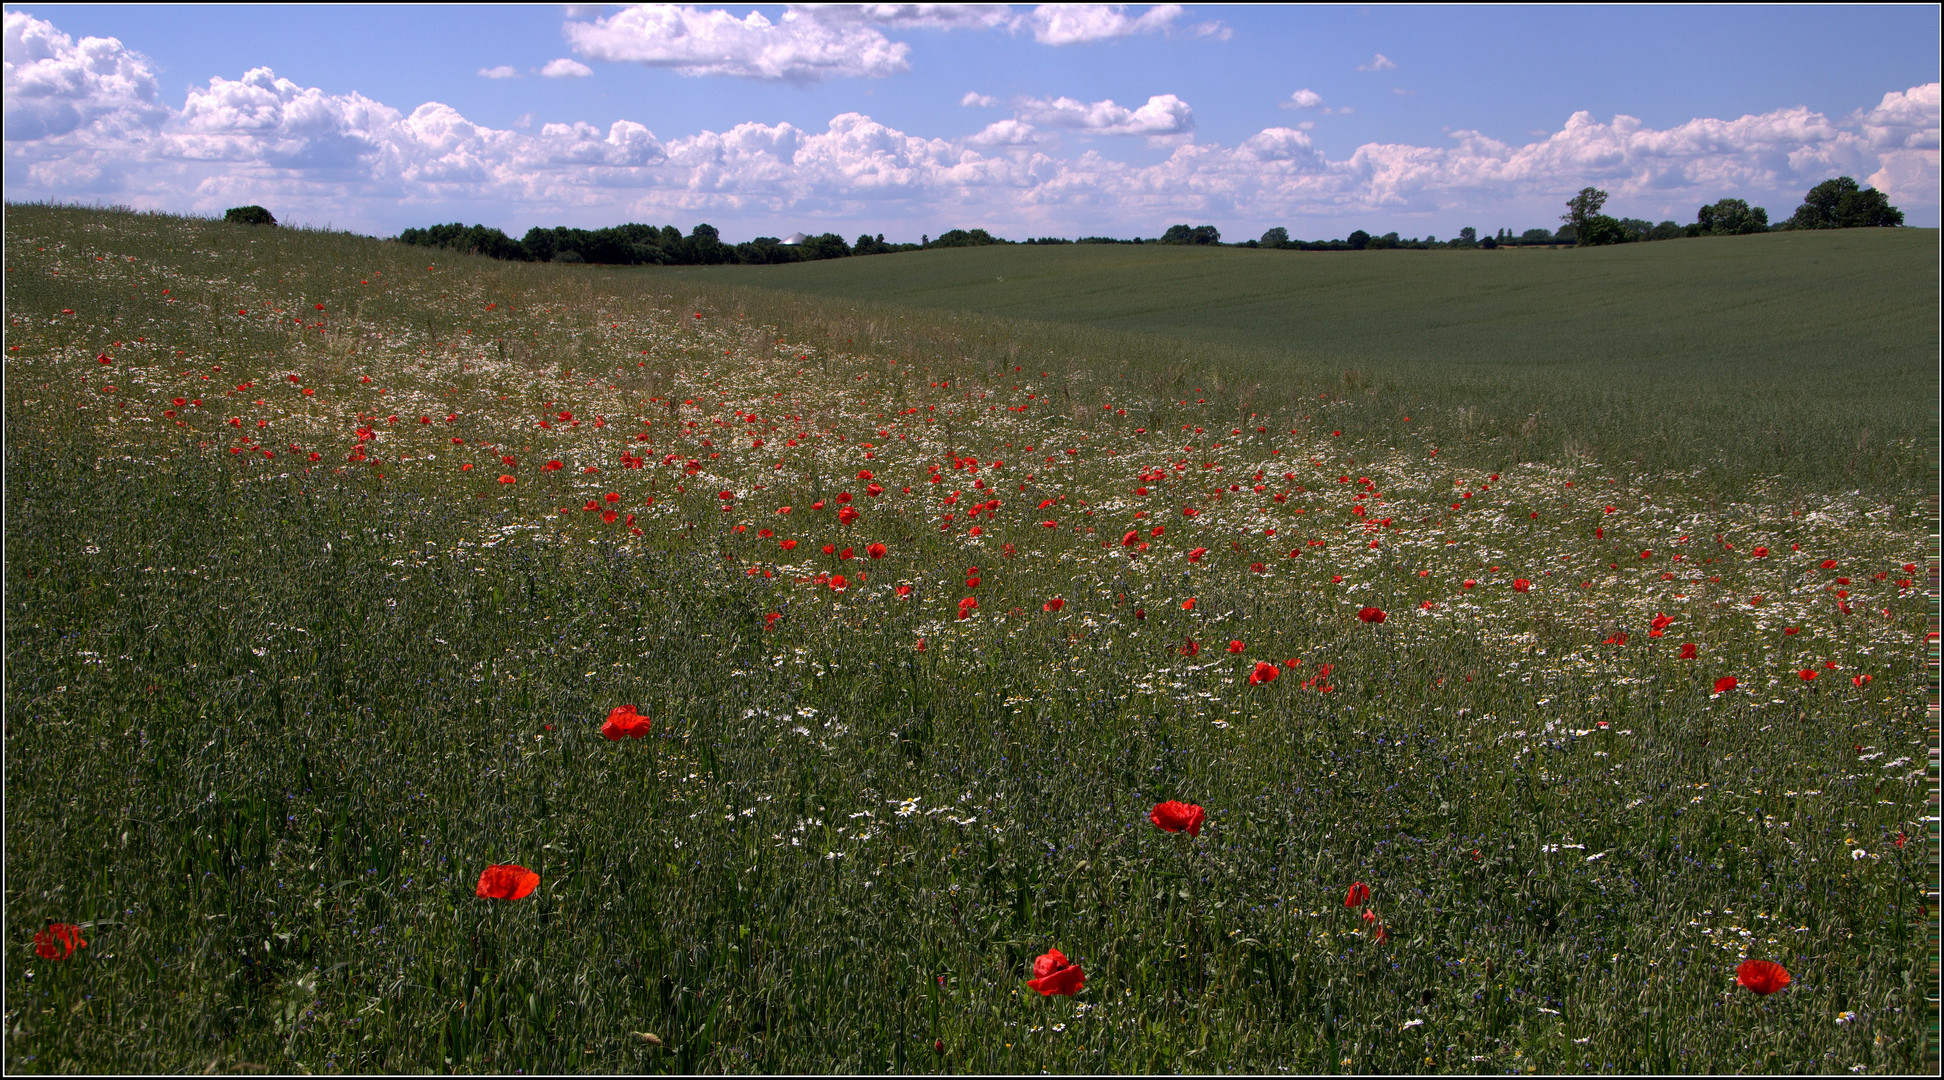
[(798, 47), (1068, 24), (503, 71), (1004, 133), (1380, 62), (917, 16), (1303, 99), (973, 97), (1164, 114), (563, 68), (95, 88), (1905, 120)]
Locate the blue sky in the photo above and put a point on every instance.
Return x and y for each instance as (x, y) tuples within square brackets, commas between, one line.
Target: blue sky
[(910, 119)]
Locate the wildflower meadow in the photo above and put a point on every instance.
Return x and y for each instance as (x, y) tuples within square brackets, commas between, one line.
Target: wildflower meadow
[(420, 663)]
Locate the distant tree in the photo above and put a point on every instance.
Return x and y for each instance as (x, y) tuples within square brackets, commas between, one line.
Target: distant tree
[(1599, 230), (1585, 205), (1199, 234), (1566, 235), (1731, 217), (766, 251), (1384, 243), (706, 232), (1841, 204), (1359, 240), (964, 238), (248, 215), (1467, 237), (826, 246), (1536, 236), (1490, 243), (474, 240), (1277, 237), (1635, 228), (1666, 230)]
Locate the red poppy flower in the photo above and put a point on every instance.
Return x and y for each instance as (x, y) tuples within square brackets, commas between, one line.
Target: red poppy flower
[(1264, 672), (1764, 977), (508, 479), (1760, 553), (1189, 511), (839, 583), (1172, 816), (1521, 585), (1188, 604), (624, 722), (1053, 974), (787, 545), (1189, 648), (551, 466), (57, 941), (904, 590), (1358, 895), (1807, 674), (1258, 568), (508, 882), (1829, 564), (875, 551), (1196, 555), (1687, 650), (1726, 683), (847, 553), (1236, 646), (1054, 604), (1371, 615), (847, 514), (967, 606)]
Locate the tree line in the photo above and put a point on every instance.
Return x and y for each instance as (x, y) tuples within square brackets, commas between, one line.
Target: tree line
[(1840, 203)]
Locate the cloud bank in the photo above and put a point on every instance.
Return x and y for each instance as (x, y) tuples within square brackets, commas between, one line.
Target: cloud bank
[(85, 120)]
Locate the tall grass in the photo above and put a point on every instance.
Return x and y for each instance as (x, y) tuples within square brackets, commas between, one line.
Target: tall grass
[(267, 718)]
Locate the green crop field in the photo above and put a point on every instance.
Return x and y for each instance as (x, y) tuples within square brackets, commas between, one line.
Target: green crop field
[(328, 559), (1811, 355)]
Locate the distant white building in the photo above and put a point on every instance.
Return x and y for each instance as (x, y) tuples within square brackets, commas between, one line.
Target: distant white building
[(795, 238)]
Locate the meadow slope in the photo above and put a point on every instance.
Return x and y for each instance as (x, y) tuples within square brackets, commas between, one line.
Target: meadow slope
[(1811, 355), (330, 561)]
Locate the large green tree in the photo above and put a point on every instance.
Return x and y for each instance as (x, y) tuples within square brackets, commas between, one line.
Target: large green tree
[(1198, 234), (1731, 217), (1585, 205), (1841, 204)]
